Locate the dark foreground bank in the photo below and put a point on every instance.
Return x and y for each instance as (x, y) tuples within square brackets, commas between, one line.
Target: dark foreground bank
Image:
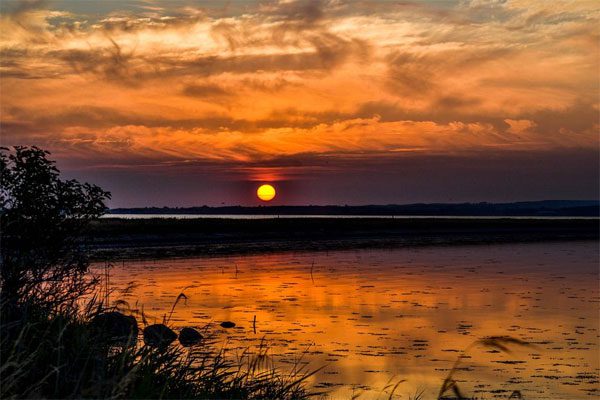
[(154, 238)]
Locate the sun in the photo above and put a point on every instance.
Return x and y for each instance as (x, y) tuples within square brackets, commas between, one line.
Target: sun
[(266, 192)]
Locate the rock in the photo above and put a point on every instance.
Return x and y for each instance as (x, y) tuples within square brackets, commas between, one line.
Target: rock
[(158, 335), (227, 324), (116, 326), (189, 337)]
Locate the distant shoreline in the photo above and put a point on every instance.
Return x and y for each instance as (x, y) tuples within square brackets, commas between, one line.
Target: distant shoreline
[(116, 238), (343, 216), (544, 208)]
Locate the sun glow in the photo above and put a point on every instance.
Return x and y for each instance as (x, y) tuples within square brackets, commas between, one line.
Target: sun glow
[(266, 192)]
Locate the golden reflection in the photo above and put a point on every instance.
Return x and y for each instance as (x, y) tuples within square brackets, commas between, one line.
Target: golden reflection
[(370, 316)]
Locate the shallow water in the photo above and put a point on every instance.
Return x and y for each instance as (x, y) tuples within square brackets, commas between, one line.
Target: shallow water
[(375, 317)]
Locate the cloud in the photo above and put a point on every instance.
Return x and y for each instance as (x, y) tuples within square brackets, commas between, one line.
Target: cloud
[(206, 91), (252, 82), (299, 14), (112, 62), (519, 126)]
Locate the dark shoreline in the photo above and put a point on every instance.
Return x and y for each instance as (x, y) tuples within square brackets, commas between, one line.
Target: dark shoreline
[(555, 208), (117, 239)]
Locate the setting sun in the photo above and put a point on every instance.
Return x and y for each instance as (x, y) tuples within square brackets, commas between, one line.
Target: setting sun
[(266, 192)]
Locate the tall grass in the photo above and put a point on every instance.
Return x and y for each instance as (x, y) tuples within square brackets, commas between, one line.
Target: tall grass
[(62, 356)]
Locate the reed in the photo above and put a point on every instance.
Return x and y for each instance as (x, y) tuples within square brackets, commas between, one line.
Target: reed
[(61, 356)]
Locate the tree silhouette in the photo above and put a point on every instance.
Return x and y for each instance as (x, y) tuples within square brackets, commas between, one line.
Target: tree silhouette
[(43, 262)]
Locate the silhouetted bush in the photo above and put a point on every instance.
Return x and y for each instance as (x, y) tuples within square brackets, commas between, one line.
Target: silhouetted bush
[(42, 218)]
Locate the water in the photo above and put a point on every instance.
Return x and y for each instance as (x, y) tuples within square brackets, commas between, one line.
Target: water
[(270, 216), (373, 317)]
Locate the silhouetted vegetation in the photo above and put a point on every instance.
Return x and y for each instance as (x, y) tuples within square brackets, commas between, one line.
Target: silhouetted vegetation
[(43, 262), (524, 208), (450, 388), (59, 341)]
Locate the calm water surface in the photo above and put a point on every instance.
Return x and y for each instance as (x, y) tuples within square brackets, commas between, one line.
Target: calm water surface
[(372, 317)]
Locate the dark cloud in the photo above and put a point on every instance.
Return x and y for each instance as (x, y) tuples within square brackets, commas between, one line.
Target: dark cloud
[(206, 91), (112, 62), (457, 101), (104, 117), (270, 85), (410, 74), (443, 111), (19, 9), (230, 32), (299, 14), (577, 119)]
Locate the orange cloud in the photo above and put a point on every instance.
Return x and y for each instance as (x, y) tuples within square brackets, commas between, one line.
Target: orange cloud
[(283, 78)]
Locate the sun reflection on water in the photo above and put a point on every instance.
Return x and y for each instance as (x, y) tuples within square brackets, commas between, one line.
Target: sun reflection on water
[(374, 316)]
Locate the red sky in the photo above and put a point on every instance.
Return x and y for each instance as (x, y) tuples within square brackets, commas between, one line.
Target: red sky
[(191, 103)]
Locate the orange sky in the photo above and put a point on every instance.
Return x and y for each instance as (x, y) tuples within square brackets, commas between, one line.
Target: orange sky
[(279, 84)]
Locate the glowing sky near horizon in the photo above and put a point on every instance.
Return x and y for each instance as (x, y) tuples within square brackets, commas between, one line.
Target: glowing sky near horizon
[(414, 101)]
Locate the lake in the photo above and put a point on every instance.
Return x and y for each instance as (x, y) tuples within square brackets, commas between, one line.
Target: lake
[(374, 318)]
